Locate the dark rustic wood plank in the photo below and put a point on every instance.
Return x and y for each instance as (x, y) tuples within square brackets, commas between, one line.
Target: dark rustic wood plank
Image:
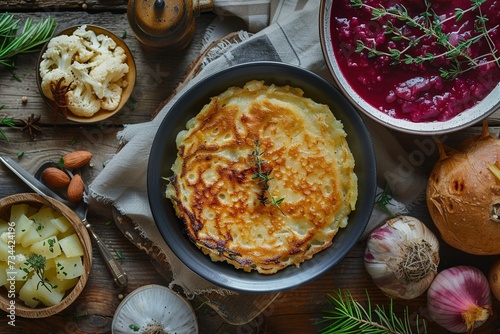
[(55, 5)]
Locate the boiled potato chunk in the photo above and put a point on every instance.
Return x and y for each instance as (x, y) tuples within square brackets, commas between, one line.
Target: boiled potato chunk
[(61, 223), (60, 285), (17, 210), (47, 295), (20, 270), (69, 267), (22, 226), (28, 293), (48, 247), (3, 273), (17, 285), (71, 246), (42, 216), (4, 251), (39, 230), (4, 226)]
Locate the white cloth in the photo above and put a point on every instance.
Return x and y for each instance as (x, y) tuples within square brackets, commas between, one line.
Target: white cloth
[(291, 36)]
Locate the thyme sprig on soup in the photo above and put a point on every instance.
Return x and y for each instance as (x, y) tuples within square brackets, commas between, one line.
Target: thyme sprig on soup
[(418, 60)]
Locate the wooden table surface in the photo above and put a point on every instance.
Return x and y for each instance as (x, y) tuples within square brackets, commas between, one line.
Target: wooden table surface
[(296, 311)]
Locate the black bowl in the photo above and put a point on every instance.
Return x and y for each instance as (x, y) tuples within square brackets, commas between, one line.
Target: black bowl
[(164, 152)]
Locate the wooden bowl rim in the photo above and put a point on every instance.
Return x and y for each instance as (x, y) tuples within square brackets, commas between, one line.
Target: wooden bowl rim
[(80, 229)]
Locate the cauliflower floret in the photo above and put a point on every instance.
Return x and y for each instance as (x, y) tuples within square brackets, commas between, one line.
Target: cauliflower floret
[(52, 78), (61, 52), (92, 65), (112, 97), (101, 79), (112, 70), (102, 46), (82, 101)]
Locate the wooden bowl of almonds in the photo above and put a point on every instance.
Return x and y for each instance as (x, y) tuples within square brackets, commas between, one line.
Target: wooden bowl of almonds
[(45, 256)]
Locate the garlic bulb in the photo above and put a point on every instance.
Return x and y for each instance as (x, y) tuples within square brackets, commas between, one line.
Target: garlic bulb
[(154, 309), (402, 257)]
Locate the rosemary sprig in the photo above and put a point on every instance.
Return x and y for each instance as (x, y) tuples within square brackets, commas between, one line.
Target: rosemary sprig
[(9, 121), (31, 36), (350, 317), (383, 198), (430, 24), (264, 177), (37, 263)]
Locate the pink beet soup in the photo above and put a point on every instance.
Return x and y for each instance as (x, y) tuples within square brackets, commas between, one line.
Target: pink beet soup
[(417, 93)]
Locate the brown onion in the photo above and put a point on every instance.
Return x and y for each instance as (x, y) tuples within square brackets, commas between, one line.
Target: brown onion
[(463, 195)]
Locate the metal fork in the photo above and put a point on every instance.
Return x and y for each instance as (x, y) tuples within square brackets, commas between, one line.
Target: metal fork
[(81, 209)]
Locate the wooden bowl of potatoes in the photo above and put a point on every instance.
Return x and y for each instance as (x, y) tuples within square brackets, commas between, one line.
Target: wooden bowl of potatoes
[(45, 255)]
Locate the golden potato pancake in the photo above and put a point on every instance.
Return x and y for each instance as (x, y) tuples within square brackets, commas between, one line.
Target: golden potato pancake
[(264, 177)]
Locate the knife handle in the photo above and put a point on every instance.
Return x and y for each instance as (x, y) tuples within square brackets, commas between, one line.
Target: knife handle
[(119, 275)]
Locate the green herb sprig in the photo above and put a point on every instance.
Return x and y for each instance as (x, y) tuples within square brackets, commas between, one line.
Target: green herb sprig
[(431, 25), (383, 199), (350, 317), (37, 263), (32, 35), (9, 121), (134, 327), (264, 177)]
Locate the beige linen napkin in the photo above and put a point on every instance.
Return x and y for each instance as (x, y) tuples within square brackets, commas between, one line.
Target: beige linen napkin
[(291, 36)]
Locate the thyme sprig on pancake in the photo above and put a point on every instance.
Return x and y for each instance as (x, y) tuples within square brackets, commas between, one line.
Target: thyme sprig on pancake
[(264, 175), (455, 46)]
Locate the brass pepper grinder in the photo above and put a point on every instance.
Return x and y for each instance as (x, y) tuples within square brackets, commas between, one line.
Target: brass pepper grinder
[(165, 25)]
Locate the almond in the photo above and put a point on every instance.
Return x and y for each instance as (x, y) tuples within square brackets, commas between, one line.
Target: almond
[(75, 189), (54, 177), (76, 159)]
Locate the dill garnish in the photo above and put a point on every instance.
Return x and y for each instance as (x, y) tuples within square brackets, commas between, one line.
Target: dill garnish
[(37, 263)]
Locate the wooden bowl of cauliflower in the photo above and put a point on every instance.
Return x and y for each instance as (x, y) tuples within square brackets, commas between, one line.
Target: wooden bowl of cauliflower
[(86, 73)]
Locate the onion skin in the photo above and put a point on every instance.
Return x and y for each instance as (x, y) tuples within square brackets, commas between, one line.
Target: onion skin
[(463, 195), (402, 243), (494, 278), (459, 299)]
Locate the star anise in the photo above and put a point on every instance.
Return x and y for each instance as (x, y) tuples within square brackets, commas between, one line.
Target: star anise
[(59, 91), (30, 125)]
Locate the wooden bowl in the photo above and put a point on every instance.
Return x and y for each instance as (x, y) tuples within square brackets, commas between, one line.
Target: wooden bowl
[(38, 201), (130, 77)]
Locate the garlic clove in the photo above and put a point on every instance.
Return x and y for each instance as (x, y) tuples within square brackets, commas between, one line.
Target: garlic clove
[(154, 309)]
